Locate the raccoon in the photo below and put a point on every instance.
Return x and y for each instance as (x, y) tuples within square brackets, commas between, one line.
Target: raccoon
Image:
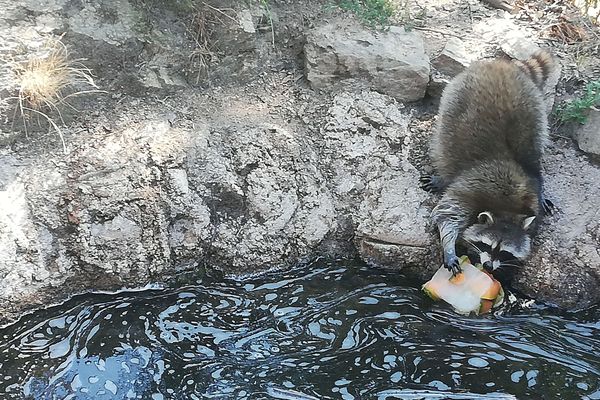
[(486, 150)]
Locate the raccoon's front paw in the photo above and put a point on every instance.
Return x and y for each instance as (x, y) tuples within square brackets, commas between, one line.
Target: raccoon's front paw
[(430, 183), (549, 207), (452, 263)]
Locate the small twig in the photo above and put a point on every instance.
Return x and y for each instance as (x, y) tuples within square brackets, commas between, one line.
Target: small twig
[(22, 115), (422, 28), (560, 136), (82, 92), (219, 11), (590, 29), (51, 122), (470, 13)]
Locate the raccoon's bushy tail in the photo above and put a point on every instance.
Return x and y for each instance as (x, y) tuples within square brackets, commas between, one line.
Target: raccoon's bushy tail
[(538, 67)]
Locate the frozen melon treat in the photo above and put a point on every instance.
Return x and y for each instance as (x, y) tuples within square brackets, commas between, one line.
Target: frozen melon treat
[(472, 290)]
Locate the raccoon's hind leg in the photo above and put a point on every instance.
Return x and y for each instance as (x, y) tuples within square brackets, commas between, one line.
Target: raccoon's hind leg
[(432, 183), (548, 206), (450, 219)]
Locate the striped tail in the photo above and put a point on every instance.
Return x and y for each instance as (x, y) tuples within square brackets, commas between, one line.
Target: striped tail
[(538, 67)]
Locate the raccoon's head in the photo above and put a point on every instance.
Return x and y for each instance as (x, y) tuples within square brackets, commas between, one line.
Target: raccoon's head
[(500, 241)]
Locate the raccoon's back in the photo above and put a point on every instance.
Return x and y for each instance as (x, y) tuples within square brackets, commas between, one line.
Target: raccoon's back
[(492, 110)]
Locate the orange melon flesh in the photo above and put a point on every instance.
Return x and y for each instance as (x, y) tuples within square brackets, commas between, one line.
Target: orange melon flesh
[(493, 291), (472, 290), (431, 292), (458, 279), (486, 306)]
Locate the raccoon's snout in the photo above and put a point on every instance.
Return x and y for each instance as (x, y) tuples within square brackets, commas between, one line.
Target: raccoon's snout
[(488, 262), (488, 266)]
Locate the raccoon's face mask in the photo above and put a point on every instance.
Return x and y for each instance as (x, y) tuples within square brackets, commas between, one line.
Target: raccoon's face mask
[(499, 243)]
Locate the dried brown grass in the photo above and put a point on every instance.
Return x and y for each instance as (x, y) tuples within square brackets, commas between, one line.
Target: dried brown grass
[(200, 28), (202, 54), (589, 8), (46, 81)]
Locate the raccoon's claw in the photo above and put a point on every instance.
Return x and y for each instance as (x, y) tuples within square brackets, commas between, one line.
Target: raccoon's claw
[(430, 183), (452, 264), (425, 183), (549, 207)]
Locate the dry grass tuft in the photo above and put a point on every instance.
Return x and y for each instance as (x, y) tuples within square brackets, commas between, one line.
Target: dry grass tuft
[(202, 54), (46, 80), (200, 28)]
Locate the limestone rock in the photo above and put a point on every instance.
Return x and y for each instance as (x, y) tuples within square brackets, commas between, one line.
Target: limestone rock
[(453, 59), (369, 144), (126, 208), (251, 199), (588, 134), (437, 83), (391, 62), (91, 20), (565, 266), (394, 229), (518, 46), (239, 37)]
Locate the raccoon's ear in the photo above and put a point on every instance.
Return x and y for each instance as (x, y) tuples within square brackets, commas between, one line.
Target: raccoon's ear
[(485, 218), (528, 221)]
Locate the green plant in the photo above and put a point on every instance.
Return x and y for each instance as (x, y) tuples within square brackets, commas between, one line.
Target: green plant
[(576, 110), (265, 4), (372, 12)]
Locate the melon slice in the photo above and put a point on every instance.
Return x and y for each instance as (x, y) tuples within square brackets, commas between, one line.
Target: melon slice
[(472, 290), (486, 306)]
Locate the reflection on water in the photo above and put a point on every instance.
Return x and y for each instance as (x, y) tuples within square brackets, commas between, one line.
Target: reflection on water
[(324, 331)]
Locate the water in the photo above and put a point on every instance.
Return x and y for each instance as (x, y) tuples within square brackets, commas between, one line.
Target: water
[(324, 331)]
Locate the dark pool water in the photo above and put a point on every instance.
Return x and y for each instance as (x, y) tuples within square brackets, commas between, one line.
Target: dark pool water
[(323, 331)]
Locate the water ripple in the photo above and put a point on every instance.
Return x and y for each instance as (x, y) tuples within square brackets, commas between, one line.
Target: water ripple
[(325, 331)]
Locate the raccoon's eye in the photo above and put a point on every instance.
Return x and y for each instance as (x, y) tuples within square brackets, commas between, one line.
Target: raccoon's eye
[(483, 247), (505, 255)]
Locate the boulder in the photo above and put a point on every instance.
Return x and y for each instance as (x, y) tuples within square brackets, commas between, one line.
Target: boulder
[(565, 266), (124, 210), (247, 197), (588, 134), (368, 146), (437, 84), (240, 37), (453, 59), (518, 46), (392, 62), (134, 204), (394, 228)]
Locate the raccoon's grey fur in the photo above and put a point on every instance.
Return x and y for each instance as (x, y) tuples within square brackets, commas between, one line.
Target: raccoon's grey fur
[(487, 151)]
